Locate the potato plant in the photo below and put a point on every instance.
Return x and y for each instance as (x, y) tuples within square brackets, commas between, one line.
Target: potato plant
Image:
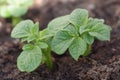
[(35, 51), (74, 32)]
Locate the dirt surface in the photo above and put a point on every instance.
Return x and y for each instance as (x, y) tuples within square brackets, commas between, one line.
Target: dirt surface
[(102, 64)]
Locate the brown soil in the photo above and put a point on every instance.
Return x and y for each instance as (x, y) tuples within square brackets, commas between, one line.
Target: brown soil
[(102, 64)]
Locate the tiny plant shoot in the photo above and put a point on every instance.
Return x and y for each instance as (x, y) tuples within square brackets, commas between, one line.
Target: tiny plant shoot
[(75, 32), (36, 50), (14, 9)]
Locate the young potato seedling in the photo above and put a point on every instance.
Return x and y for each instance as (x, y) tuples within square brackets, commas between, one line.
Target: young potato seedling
[(36, 50), (14, 9), (75, 32)]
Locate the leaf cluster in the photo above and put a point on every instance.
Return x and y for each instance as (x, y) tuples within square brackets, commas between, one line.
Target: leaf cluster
[(75, 32), (14, 8), (31, 56)]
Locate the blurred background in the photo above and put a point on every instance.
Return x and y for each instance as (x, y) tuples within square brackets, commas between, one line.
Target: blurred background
[(106, 9)]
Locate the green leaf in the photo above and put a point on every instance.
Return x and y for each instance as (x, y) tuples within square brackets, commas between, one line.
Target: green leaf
[(91, 23), (4, 12), (83, 29), (28, 47), (44, 34), (61, 42), (26, 3), (24, 39), (58, 24), (26, 30), (77, 48), (49, 41), (34, 32), (29, 60), (101, 32), (22, 29), (71, 30), (88, 38), (79, 17), (35, 29), (42, 45), (16, 10), (31, 38)]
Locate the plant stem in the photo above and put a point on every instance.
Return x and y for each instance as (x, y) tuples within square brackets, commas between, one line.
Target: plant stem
[(88, 50), (48, 58), (16, 20)]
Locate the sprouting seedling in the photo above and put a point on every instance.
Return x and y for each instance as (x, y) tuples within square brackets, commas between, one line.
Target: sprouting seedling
[(14, 9), (36, 50), (76, 32)]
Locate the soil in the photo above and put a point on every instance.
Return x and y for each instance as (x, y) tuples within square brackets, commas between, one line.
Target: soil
[(102, 64)]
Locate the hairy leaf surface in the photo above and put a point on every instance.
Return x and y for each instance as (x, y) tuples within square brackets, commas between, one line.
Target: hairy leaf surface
[(88, 38), (61, 42), (29, 60), (26, 30), (101, 32), (79, 17), (77, 48), (58, 24)]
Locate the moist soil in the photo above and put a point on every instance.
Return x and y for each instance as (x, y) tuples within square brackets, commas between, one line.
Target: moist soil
[(102, 64)]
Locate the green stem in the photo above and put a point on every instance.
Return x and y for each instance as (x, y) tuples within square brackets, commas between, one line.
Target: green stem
[(88, 50), (16, 20), (48, 58)]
